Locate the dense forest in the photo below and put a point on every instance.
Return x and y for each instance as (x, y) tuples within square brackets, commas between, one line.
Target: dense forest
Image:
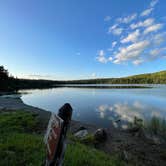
[(150, 78), (9, 83)]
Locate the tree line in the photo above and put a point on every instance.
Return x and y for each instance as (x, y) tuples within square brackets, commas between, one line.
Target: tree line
[(151, 78), (9, 83)]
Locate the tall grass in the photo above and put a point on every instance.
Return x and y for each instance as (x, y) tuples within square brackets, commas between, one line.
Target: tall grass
[(157, 126), (78, 154)]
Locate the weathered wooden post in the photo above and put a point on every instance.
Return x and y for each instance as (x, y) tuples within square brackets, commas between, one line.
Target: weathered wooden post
[(55, 138)]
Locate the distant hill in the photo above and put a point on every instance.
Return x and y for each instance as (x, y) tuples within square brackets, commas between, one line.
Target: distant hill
[(149, 78), (9, 83), (155, 78)]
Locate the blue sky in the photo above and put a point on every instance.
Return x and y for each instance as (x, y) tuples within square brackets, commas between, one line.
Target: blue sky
[(77, 39)]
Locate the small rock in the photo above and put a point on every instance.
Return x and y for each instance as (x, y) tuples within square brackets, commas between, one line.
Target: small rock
[(140, 133), (81, 128), (81, 133), (100, 135), (118, 120), (134, 129), (156, 140), (1, 108), (124, 155)]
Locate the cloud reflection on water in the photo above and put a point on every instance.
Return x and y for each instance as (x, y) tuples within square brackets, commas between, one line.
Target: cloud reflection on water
[(126, 112)]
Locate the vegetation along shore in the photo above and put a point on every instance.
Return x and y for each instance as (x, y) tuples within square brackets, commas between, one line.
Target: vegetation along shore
[(22, 130)]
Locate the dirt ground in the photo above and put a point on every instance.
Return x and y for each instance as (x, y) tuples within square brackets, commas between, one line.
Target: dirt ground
[(136, 150)]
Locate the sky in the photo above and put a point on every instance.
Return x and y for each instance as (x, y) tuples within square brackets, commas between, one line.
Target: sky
[(79, 39)]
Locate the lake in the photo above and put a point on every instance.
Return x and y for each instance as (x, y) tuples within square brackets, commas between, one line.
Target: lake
[(102, 106)]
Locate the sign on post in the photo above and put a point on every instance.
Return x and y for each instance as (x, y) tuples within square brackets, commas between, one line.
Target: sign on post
[(52, 137), (55, 138)]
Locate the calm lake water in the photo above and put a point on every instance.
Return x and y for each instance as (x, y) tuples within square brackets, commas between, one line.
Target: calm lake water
[(103, 107)]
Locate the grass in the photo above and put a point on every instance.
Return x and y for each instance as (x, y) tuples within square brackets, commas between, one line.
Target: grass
[(18, 121), (155, 126), (22, 144), (21, 149), (78, 154), (19, 142)]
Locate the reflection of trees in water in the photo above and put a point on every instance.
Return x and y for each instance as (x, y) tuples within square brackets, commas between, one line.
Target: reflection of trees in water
[(126, 112)]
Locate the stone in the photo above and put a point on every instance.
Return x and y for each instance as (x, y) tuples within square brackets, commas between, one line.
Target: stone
[(81, 133), (118, 120), (100, 135), (124, 155), (156, 140), (81, 128), (133, 129)]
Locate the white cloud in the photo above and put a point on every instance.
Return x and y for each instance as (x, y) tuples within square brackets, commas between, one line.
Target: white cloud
[(113, 27), (153, 28), (132, 37), (157, 52), (131, 52), (114, 44), (127, 19), (137, 39), (110, 58), (38, 76), (154, 52), (101, 53), (101, 57), (159, 38), (107, 18), (138, 61), (153, 3), (150, 9), (145, 23), (115, 30), (146, 12)]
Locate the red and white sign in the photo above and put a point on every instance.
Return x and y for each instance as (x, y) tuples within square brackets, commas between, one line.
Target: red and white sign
[(53, 135)]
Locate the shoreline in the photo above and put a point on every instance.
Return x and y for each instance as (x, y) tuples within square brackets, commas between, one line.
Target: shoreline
[(134, 147), (16, 103)]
